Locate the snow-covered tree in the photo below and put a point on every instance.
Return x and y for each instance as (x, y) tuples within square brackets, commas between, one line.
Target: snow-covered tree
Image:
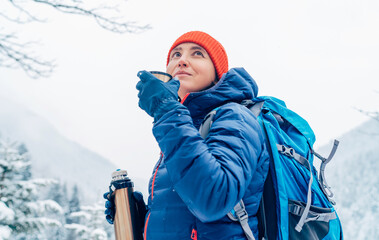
[(58, 193), (74, 203), (89, 223), (6, 217), (23, 214)]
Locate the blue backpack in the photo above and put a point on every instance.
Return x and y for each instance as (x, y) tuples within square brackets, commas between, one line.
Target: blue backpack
[(296, 204)]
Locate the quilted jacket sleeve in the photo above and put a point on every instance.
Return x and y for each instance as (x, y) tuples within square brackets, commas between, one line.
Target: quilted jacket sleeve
[(210, 175)]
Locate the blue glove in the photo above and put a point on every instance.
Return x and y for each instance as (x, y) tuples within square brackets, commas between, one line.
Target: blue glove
[(141, 208), (155, 96), (110, 210)]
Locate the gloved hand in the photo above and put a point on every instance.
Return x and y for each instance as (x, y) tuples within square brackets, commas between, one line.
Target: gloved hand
[(141, 208), (110, 206), (155, 96)]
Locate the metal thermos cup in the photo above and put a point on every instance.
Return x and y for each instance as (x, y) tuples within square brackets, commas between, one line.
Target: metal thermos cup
[(165, 77), (126, 222)]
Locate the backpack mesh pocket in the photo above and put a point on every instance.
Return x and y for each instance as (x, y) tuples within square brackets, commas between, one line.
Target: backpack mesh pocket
[(317, 223)]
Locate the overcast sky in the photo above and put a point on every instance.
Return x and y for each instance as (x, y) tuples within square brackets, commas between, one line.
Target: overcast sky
[(320, 57)]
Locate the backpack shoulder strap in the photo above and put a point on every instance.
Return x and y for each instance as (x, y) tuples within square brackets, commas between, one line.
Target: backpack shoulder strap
[(255, 108), (240, 214), (207, 123)]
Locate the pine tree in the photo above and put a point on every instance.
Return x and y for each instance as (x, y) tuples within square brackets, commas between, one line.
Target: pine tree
[(89, 223), (23, 214), (58, 193), (73, 205), (6, 217)]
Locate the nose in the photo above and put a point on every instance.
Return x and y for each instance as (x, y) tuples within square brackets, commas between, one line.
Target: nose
[(183, 61)]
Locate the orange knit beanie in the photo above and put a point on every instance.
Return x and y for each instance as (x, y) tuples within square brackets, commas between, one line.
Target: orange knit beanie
[(215, 50)]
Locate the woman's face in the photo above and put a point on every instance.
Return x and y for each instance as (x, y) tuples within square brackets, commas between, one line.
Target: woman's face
[(192, 65)]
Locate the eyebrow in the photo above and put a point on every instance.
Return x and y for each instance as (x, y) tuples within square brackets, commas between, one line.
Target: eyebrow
[(197, 48), (192, 48)]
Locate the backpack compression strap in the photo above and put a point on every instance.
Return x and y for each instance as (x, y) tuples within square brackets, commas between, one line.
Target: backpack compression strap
[(290, 152), (324, 185), (296, 208)]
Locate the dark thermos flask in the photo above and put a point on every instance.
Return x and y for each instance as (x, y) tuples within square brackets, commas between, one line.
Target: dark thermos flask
[(126, 222)]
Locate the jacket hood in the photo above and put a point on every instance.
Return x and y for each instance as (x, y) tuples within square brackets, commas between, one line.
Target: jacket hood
[(234, 86)]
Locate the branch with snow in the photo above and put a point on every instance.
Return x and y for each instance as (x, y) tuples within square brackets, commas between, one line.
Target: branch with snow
[(6, 214), (5, 232), (45, 206), (36, 224)]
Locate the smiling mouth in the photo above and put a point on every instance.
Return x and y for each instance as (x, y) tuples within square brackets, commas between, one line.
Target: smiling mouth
[(182, 74)]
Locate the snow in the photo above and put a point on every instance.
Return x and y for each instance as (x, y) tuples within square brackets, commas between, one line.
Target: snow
[(42, 222), (84, 215), (99, 234), (77, 228), (6, 214), (43, 206), (353, 176), (54, 156), (5, 232)]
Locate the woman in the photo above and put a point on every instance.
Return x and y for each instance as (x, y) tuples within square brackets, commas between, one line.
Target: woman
[(197, 181)]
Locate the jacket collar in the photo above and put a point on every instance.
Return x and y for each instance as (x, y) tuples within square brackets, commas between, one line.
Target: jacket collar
[(234, 86)]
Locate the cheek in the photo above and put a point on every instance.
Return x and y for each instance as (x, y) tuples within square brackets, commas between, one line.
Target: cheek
[(170, 68), (209, 74)]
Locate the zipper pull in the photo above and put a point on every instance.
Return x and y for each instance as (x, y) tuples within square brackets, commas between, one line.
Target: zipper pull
[(194, 234)]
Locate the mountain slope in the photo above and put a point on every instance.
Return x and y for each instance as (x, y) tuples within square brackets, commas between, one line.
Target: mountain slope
[(54, 156), (353, 176)]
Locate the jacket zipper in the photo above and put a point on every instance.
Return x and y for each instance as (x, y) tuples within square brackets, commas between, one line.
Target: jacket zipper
[(155, 174), (144, 231), (194, 234), (152, 195)]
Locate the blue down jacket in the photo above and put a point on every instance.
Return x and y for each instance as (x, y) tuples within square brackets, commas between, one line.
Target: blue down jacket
[(197, 182)]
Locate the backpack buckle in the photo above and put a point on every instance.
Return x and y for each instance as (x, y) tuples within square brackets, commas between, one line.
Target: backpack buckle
[(242, 214), (289, 152), (240, 211)]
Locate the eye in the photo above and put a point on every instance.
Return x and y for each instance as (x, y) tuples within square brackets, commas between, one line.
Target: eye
[(175, 54), (198, 53)]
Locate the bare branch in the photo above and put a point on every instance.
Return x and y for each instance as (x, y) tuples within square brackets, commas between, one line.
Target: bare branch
[(372, 114), (111, 24), (29, 17), (18, 19), (15, 54)]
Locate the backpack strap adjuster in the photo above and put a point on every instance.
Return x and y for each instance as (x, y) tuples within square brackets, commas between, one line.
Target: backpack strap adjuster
[(240, 211), (239, 214), (290, 152)]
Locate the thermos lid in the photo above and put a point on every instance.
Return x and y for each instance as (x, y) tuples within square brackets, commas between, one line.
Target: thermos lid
[(119, 175)]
